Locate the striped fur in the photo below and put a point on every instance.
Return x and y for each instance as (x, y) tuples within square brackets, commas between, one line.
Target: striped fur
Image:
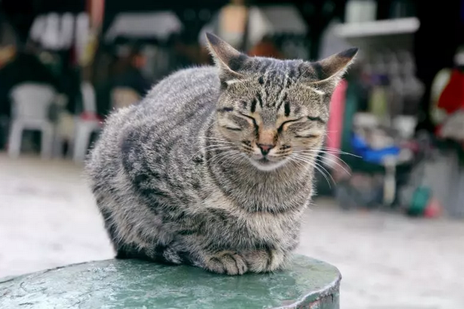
[(179, 177)]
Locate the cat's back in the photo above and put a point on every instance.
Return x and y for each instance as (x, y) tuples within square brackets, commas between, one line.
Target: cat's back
[(182, 92), (170, 115)]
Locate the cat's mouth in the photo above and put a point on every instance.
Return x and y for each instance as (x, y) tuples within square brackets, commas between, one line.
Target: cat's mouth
[(266, 164)]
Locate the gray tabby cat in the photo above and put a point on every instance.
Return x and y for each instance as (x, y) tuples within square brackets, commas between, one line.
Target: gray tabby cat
[(214, 167)]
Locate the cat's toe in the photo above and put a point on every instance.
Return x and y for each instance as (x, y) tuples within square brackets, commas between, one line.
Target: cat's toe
[(235, 264), (215, 265), (264, 260), (228, 263)]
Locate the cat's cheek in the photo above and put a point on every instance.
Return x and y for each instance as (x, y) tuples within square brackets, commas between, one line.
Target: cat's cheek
[(233, 137), (229, 134), (306, 144)]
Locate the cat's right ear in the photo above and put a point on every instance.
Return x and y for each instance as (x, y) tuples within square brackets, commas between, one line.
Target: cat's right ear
[(227, 59)]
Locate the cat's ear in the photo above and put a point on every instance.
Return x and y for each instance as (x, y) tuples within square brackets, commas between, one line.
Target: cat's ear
[(331, 69), (226, 58)]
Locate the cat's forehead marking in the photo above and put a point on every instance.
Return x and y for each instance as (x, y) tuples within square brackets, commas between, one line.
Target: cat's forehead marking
[(269, 117), (274, 88)]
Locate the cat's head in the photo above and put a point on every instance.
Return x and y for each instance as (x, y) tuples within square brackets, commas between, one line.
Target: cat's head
[(274, 111)]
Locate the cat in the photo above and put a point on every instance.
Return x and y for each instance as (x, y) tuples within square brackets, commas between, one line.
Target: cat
[(215, 166)]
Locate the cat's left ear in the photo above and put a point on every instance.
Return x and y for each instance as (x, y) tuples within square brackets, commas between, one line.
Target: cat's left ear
[(331, 69), (226, 58)]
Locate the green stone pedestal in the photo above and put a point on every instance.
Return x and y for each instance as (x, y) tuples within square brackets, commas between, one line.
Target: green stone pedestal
[(115, 284)]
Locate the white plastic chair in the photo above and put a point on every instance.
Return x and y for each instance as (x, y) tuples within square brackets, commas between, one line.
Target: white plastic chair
[(85, 126), (30, 111)]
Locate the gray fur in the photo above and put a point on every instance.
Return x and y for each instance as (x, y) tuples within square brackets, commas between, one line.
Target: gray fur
[(178, 179)]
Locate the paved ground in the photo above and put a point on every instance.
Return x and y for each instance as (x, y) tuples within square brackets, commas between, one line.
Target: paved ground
[(48, 218)]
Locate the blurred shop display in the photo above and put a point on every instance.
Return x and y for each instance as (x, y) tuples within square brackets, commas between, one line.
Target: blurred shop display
[(262, 31), (139, 26), (396, 164)]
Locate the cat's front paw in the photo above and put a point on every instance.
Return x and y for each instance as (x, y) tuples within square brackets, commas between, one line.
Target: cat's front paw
[(227, 262), (264, 260)]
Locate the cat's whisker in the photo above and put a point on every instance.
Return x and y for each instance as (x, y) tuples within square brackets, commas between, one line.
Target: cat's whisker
[(219, 150), (210, 148), (293, 160), (213, 147), (207, 147), (338, 151), (226, 144), (332, 152), (334, 161), (324, 172), (298, 162), (284, 152), (215, 158), (222, 155), (337, 159), (217, 140), (313, 164), (346, 170), (236, 158), (220, 143), (325, 152)]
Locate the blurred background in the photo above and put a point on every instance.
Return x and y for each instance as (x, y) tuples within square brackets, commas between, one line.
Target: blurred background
[(390, 206)]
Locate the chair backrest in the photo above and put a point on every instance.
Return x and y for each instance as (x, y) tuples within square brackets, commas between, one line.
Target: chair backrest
[(32, 101), (123, 97), (88, 97)]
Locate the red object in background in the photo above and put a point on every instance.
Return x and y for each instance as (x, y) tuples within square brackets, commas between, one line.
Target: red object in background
[(335, 130), (96, 10), (337, 110), (90, 116), (433, 209), (266, 48), (452, 97)]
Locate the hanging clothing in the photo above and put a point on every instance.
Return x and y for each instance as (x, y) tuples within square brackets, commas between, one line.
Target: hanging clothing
[(452, 97)]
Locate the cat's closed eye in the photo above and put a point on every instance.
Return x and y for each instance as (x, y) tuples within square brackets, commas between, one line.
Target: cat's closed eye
[(232, 128), (304, 132), (307, 135), (288, 122)]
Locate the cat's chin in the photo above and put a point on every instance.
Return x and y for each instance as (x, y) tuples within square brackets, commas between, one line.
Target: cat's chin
[(267, 165)]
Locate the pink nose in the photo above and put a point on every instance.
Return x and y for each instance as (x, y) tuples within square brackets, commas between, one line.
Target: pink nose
[(265, 148)]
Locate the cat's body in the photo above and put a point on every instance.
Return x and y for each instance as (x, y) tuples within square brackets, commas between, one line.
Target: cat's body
[(172, 188)]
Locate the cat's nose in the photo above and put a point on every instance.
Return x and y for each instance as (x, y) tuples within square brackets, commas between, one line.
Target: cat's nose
[(265, 148)]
